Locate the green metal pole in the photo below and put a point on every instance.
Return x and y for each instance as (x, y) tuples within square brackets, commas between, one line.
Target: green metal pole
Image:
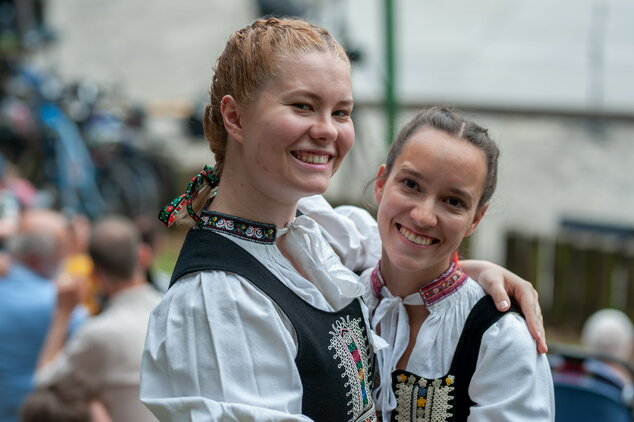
[(390, 71)]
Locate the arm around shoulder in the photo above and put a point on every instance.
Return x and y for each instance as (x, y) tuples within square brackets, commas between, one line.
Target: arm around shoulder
[(351, 231)]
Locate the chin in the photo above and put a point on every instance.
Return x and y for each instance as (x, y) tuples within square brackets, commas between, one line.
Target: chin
[(315, 189), (408, 263)]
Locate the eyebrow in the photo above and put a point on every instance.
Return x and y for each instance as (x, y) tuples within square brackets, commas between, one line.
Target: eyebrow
[(316, 97), (418, 175)]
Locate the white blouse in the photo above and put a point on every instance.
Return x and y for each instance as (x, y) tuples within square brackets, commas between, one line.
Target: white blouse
[(511, 382), (351, 231), (211, 324)]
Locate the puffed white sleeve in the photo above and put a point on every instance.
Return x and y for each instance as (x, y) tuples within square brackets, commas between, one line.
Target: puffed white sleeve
[(512, 382), (351, 231), (218, 349)]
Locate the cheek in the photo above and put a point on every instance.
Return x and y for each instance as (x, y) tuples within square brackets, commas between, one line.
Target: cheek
[(389, 207), (383, 222), (460, 226), (259, 157), (345, 139)]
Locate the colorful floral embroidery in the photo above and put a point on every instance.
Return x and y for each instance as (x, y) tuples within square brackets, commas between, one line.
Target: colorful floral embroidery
[(443, 286), (447, 283), (246, 229), (350, 348), (422, 400)]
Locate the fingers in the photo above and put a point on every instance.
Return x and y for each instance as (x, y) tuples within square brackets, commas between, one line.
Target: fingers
[(528, 300), (492, 282), (498, 292), (69, 291)]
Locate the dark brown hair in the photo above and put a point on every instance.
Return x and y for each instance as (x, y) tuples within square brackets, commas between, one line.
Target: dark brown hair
[(67, 400), (454, 124)]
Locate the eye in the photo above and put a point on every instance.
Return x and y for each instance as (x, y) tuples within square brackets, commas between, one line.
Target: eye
[(342, 113), (302, 106), (410, 184), (456, 202)]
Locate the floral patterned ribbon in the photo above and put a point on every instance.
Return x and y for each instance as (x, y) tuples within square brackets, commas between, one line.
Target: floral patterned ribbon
[(170, 212)]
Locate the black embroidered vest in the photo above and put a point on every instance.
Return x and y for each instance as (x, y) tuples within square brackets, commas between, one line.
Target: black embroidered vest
[(447, 398), (334, 356)]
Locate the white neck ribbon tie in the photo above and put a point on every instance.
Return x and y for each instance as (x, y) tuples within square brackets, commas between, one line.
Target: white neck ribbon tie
[(392, 317)]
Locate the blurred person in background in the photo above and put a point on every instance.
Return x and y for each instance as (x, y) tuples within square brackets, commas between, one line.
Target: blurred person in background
[(73, 399), (79, 263), (27, 300), (109, 346), (16, 194), (9, 215), (609, 333), (152, 235)]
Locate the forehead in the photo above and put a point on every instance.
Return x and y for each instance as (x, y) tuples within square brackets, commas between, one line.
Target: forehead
[(318, 70), (441, 157)]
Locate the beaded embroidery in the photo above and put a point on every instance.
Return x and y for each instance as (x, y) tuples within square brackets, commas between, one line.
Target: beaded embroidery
[(349, 344), (239, 227), (422, 400)]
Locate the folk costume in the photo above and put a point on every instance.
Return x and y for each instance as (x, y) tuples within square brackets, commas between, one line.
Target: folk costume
[(509, 380), (242, 336), (470, 362)]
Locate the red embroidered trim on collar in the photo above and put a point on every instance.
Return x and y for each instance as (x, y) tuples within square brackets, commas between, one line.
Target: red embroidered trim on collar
[(443, 286), (377, 280), (447, 283)]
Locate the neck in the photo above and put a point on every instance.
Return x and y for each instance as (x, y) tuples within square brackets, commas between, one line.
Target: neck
[(243, 200), (116, 286), (403, 283)]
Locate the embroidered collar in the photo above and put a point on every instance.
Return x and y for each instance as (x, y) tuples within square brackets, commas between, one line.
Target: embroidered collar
[(447, 283), (444, 285), (377, 281), (239, 227)]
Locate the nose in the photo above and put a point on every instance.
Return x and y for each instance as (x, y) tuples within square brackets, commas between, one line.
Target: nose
[(424, 213), (324, 129)]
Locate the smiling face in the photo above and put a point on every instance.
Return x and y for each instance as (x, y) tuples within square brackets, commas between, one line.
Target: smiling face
[(296, 132), (429, 201)]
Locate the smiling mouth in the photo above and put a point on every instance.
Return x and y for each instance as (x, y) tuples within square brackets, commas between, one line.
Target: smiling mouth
[(414, 238), (311, 157)]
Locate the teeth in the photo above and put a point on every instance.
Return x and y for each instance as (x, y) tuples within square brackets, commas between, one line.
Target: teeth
[(311, 158), (419, 240)]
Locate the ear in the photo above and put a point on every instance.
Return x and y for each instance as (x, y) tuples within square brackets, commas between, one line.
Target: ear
[(476, 219), (379, 183), (230, 110), (145, 256)]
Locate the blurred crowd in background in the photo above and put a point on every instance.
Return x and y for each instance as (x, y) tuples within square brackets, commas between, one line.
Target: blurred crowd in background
[(81, 181), (80, 187)]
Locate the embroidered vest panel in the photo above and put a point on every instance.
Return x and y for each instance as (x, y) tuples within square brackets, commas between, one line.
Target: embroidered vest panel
[(334, 357), (447, 398)]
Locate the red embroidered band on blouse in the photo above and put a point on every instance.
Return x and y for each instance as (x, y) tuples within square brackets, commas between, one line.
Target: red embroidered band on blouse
[(441, 287)]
